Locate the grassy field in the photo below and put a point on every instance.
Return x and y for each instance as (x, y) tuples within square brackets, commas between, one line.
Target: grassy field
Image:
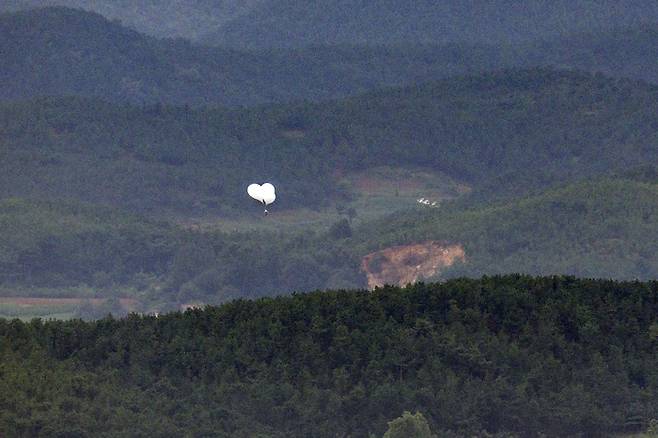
[(27, 308)]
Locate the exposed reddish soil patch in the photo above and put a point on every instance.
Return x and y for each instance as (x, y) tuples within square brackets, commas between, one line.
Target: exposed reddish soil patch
[(129, 304), (406, 264)]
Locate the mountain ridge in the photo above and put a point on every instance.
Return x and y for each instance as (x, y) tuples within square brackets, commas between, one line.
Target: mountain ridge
[(72, 52), (503, 133)]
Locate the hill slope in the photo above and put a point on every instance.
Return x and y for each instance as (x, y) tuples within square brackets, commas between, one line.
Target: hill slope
[(604, 228), (502, 133), (514, 356), (71, 52), (622, 52), (295, 23), (600, 228), (182, 18)]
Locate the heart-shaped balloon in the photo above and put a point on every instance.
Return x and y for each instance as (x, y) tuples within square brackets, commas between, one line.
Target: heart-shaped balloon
[(264, 194)]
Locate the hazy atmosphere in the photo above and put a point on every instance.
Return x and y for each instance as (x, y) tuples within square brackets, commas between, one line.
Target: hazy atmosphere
[(338, 218)]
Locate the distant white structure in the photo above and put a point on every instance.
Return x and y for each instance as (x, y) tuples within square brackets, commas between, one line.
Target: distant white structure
[(424, 201)]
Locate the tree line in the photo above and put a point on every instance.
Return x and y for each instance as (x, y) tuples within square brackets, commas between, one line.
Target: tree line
[(504, 356)]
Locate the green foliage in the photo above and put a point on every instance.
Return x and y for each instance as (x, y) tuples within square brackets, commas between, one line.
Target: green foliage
[(603, 228), (341, 229), (64, 244), (503, 133), (409, 426), (499, 356), (620, 51), (73, 52), (81, 250), (295, 23)]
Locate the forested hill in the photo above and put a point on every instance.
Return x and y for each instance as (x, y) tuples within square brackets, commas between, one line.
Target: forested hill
[(623, 52), (60, 51), (72, 52), (268, 23), (162, 18), (502, 133), (295, 23), (603, 228), (507, 356)]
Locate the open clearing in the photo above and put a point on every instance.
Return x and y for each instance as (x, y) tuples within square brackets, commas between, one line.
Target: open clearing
[(373, 193), (52, 308)]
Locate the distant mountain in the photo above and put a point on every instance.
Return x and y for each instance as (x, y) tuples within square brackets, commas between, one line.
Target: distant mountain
[(623, 52), (59, 51), (504, 134), (297, 23), (71, 52), (162, 18)]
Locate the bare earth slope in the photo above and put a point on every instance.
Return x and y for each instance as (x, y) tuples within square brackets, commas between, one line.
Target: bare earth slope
[(404, 264)]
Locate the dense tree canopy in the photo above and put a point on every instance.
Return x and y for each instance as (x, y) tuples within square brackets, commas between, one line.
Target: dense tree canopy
[(72, 52), (502, 133), (603, 228), (514, 355), (295, 23)]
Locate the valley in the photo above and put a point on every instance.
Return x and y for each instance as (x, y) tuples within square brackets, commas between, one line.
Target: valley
[(294, 218)]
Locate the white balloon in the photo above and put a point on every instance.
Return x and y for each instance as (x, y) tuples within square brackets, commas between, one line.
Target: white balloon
[(254, 191), (264, 194), (269, 195)]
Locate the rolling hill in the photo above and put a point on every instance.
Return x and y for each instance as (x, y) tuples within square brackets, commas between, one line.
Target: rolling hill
[(72, 52), (298, 23), (596, 229), (622, 52), (498, 356), (409, 142), (294, 23), (602, 228), (182, 18), (503, 134)]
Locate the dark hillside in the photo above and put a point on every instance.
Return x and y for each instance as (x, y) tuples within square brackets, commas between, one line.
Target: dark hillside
[(507, 130), (604, 228), (297, 23), (514, 356), (287, 23), (623, 52), (71, 52), (67, 249), (162, 18), (503, 133), (60, 51)]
